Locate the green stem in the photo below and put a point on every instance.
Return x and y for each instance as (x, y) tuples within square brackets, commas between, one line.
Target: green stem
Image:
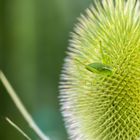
[(21, 107), (18, 128)]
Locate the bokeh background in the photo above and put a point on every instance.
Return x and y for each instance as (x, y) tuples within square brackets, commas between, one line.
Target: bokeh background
[(34, 36)]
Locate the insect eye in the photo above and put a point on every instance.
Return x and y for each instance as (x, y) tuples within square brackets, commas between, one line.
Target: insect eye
[(99, 68)]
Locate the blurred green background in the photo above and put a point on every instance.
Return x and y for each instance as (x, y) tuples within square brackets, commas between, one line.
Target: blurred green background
[(34, 36)]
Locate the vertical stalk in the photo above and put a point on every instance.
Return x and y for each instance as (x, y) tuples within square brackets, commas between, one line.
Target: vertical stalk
[(21, 107)]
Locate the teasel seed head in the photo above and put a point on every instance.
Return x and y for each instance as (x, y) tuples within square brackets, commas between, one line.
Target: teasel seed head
[(100, 81)]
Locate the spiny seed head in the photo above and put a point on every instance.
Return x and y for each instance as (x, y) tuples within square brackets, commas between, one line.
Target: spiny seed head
[(100, 84)]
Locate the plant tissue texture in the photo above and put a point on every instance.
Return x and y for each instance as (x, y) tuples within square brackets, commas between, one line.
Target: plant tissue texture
[(100, 81)]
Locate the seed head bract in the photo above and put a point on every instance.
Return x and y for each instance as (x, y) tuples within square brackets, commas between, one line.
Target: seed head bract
[(100, 80)]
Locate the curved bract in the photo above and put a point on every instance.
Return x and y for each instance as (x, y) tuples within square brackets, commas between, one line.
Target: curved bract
[(100, 81)]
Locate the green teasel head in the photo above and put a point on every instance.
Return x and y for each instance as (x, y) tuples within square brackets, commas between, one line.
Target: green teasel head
[(100, 81)]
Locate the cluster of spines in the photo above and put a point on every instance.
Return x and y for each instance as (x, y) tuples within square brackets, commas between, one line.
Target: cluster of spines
[(97, 106)]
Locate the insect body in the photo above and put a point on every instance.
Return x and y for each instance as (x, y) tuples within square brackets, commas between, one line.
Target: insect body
[(99, 68)]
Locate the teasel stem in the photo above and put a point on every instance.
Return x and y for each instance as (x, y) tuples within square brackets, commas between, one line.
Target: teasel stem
[(21, 107), (18, 128)]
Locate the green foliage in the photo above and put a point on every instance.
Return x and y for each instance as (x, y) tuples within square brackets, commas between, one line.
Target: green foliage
[(33, 38)]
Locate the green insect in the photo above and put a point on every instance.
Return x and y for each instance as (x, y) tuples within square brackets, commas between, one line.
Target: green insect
[(99, 68)]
